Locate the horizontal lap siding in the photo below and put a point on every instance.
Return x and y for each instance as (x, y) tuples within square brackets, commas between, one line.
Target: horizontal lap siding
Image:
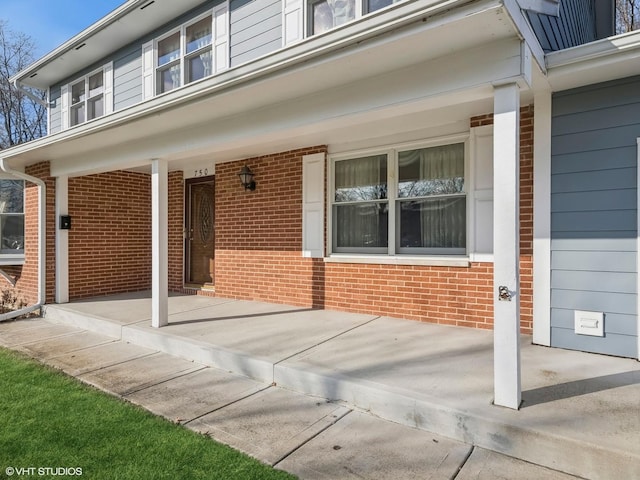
[(127, 78), (55, 111), (256, 29), (594, 214)]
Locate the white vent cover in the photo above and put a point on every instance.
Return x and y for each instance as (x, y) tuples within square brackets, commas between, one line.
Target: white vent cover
[(589, 323)]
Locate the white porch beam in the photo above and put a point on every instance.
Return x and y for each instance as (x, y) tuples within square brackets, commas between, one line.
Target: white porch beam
[(159, 241), (62, 241), (506, 249), (542, 219)]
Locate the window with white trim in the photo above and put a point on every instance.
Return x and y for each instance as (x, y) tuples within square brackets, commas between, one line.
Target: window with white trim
[(304, 18), (11, 217), (401, 201), (88, 97), (185, 55)]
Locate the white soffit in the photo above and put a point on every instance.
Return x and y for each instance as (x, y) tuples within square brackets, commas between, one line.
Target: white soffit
[(600, 61), (119, 28)]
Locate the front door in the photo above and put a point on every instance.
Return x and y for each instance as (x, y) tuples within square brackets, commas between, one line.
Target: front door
[(199, 246)]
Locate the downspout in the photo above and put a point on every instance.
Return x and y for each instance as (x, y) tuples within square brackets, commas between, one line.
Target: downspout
[(41, 240), (18, 86)]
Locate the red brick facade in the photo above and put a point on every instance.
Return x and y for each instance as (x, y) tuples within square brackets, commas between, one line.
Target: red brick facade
[(258, 243), (110, 238), (26, 275)]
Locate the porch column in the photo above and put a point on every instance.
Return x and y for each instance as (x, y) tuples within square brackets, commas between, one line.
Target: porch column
[(506, 249), (62, 241), (159, 241)]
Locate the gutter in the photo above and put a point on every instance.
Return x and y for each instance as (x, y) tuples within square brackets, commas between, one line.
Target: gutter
[(41, 240), (18, 86)]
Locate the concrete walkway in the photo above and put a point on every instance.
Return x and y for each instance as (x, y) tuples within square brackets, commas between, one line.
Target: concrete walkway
[(326, 394)]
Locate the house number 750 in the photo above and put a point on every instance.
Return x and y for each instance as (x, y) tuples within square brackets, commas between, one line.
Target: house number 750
[(203, 172)]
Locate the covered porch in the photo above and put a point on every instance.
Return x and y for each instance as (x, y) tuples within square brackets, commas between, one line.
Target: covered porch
[(579, 412)]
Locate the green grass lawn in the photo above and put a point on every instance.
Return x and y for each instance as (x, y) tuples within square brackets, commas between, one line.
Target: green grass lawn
[(48, 419)]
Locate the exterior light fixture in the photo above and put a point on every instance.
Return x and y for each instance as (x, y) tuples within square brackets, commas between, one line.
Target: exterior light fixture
[(246, 178)]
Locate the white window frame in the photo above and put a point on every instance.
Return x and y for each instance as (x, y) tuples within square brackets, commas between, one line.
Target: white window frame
[(392, 170), (297, 18), (16, 257), (218, 48), (66, 95)]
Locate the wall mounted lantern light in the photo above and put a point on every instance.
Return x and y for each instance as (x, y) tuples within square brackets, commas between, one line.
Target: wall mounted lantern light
[(246, 178)]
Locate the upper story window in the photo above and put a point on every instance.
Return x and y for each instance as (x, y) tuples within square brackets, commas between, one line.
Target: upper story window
[(87, 98), (11, 217), (185, 56), (323, 15), (195, 50), (401, 201)]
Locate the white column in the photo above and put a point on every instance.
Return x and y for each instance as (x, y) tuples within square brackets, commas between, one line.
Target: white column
[(62, 241), (159, 241), (506, 250), (542, 219)]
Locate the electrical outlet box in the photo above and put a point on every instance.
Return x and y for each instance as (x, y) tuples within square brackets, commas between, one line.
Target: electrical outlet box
[(589, 323)]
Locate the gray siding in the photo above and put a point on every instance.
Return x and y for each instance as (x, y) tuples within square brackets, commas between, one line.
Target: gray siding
[(594, 214), (575, 25), (256, 29), (55, 117), (127, 67), (127, 78)]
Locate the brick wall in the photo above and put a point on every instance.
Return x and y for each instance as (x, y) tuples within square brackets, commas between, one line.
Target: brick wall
[(259, 239), (259, 233), (176, 224), (110, 238), (26, 275)]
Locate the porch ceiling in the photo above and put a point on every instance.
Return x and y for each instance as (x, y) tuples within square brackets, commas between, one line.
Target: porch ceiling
[(430, 74)]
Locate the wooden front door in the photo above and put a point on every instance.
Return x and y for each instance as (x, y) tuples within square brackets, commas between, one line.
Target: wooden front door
[(200, 234)]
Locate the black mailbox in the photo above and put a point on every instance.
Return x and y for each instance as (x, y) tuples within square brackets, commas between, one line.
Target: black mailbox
[(65, 222)]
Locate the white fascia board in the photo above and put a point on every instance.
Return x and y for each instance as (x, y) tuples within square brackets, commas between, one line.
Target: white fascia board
[(78, 39), (523, 27), (607, 59)]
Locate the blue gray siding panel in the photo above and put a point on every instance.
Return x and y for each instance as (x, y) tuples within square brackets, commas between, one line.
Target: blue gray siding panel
[(127, 78), (55, 111), (594, 214), (575, 25), (256, 29)]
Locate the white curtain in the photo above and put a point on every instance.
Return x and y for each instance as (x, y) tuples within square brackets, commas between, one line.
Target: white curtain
[(362, 224), (342, 11), (443, 220)]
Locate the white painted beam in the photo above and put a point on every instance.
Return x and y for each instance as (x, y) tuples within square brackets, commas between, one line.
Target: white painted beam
[(506, 250), (542, 219), (62, 241), (159, 241)]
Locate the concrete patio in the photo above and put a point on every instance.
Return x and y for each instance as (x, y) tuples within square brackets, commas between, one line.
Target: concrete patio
[(580, 412)]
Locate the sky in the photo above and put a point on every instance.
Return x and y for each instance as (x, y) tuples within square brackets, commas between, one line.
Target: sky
[(52, 22)]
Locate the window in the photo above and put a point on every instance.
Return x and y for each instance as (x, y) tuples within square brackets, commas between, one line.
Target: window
[(324, 15), (11, 216), (185, 56), (87, 98), (403, 201)]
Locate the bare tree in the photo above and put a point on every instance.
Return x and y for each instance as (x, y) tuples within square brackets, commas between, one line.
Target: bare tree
[(21, 118), (627, 15)]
